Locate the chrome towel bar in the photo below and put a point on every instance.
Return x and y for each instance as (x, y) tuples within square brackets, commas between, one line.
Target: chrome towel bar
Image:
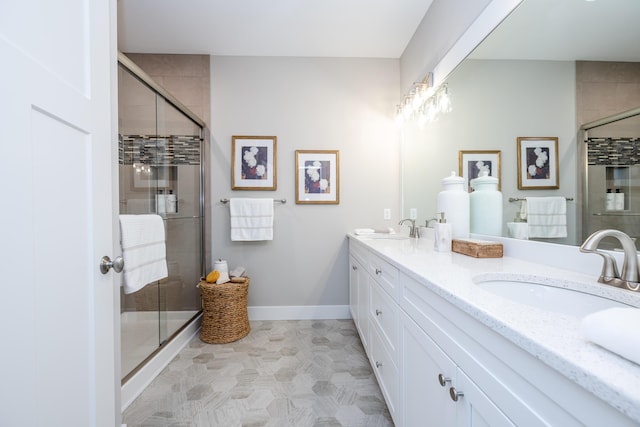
[(516, 199), (225, 201)]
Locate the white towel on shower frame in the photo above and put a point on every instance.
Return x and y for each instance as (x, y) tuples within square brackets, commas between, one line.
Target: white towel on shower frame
[(251, 219), (144, 250)]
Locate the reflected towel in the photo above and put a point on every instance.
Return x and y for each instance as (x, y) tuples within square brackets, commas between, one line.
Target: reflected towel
[(518, 230), (547, 217), (144, 251), (251, 219), (363, 231), (616, 330)]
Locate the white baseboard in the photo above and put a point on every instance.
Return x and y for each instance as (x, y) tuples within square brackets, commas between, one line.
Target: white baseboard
[(141, 379), (299, 312)]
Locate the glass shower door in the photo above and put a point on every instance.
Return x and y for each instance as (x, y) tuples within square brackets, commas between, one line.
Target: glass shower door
[(178, 158), (161, 173), (138, 179)]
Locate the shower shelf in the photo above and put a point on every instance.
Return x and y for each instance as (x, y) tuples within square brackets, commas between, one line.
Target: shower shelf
[(616, 214)]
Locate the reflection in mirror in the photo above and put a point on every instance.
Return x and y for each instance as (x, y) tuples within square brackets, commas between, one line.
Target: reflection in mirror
[(547, 69), (612, 196)]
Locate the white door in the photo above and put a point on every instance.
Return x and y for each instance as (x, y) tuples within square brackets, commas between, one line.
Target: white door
[(57, 363)]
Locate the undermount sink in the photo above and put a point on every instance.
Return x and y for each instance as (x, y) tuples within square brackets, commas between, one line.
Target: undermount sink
[(388, 236), (544, 295)]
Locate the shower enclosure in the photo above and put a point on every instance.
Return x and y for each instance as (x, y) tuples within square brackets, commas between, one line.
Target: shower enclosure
[(161, 171), (611, 183)]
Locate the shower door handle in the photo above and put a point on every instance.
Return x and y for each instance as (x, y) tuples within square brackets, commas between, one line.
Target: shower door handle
[(106, 264)]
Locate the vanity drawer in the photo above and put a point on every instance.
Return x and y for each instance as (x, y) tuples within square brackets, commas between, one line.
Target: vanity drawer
[(384, 317), (358, 252), (385, 274), (386, 373)]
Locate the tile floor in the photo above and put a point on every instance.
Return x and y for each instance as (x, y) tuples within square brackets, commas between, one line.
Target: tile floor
[(284, 373)]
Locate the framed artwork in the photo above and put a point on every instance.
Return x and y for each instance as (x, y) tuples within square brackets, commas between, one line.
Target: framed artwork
[(317, 177), (471, 163), (253, 163), (538, 163)]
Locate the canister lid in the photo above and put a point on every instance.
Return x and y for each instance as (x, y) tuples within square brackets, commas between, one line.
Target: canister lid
[(453, 179), (484, 179)]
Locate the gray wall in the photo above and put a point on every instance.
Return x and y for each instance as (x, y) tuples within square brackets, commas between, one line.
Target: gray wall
[(312, 104)]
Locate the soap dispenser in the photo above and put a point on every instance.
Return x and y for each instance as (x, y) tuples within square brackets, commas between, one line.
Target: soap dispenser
[(161, 202), (172, 202), (442, 234)]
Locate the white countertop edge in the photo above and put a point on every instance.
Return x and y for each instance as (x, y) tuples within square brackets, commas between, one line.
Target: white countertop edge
[(606, 375)]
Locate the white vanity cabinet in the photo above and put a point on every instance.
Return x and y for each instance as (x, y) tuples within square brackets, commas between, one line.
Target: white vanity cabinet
[(501, 384), (376, 311), (439, 365), (435, 391)]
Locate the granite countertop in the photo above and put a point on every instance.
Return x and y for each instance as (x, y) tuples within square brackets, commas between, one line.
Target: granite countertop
[(551, 337)]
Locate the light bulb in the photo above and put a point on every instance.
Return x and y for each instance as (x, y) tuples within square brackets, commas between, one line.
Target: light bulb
[(444, 101)]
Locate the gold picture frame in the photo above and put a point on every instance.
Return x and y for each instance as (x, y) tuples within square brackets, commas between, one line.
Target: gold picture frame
[(538, 163), (317, 177), (253, 162), (472, 162)]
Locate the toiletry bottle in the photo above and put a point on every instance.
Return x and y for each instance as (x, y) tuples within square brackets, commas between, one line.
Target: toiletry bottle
[(453, 200), (486, 205), (161, 202), (442, 234), (619, 200), (609, 201), (172, 202)]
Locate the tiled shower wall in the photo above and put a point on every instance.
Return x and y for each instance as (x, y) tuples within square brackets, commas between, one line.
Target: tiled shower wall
[(602, 90), (187, 77), (605, 88)]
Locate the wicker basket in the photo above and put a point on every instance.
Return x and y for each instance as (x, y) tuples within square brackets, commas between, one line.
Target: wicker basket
[(224, 317)]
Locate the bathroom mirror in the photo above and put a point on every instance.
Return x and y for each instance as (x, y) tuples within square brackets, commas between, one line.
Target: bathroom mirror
[(528, 78)]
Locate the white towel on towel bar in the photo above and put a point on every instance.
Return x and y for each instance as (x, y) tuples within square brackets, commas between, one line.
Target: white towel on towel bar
[(547, 217), (251, 219), (144, 250)]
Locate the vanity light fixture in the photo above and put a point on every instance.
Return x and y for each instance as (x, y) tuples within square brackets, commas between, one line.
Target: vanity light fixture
[(423, 102), (141, 168)]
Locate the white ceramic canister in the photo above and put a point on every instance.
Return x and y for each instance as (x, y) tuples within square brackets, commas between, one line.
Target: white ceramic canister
[(221, 266), (453, 200), (486, 205)]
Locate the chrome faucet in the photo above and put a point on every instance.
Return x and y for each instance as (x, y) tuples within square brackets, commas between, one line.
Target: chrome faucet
[(413, 230), (428, 221), (630, 277)]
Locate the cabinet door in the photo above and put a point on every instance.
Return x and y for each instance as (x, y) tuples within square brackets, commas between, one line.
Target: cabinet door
[(475, 409), (364, 291), (359, 299), (354, 271), (427, 374)]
